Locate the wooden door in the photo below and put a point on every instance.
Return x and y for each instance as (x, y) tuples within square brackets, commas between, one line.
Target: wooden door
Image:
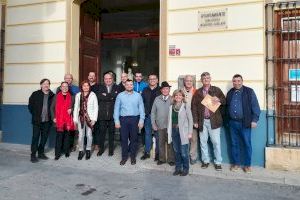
[(89, 49), (287, 69)]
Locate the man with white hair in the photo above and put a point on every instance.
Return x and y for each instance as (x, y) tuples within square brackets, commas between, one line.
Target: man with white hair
[(189, 91)]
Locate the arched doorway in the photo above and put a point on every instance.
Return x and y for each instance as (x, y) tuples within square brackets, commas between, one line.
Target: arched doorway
[(122, 36)]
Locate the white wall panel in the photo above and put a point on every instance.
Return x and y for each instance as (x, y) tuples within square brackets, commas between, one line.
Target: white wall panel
[(46, 32), (35, 53), (180, 4), (33, 73), (19, 94), (239, 17), (223, 43), (250, 67), (36, 13), (23, 2)]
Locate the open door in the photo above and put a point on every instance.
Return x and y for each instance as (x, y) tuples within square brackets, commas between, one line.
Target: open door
[(89, 49)]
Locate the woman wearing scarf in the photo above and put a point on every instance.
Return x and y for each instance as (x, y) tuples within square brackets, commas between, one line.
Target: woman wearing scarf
[(85, 116), (180, 129), (61, 112)]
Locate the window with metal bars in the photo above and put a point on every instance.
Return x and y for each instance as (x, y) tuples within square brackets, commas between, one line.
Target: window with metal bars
[(283, 71)]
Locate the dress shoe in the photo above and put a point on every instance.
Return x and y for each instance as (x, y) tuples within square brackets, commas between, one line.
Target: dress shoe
[(247, 170), (100, 152), (88, 154), (56, 157), (67, 155), (177, 172), (123, 161), (204, 165), (218, 167), (184, 173), (234, 168), (110, 154), (156, 158), (145, 156), (171, 163), (133, 161), (193, 162), (160, 162), (80, 155), (34, 159), (73, 149), (43, 157)]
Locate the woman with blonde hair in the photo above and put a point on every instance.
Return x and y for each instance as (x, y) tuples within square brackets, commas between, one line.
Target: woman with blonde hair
[(180, 129), (85, 116)]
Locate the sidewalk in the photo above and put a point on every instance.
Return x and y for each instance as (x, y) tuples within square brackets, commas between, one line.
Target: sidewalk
[(258, 174)]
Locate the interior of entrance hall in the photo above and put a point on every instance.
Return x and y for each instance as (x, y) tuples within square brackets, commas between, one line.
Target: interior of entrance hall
[(119, 36)]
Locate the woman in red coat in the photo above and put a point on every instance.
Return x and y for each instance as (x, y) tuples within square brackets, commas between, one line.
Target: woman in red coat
[(61, 110)]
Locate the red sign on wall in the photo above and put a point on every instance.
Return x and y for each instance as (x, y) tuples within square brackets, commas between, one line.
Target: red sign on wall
[(173, 51)]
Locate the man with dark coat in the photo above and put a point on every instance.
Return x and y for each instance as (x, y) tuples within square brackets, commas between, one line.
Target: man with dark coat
[(243, 112), (107, 94), (149, 94), (39, 107), (209, 123)]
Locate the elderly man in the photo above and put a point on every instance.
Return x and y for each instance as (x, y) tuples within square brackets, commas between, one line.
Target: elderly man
[(189, 91), (107, 95), (73, 89), (244, 111), (208, 122), (129, 116), (159, 120)]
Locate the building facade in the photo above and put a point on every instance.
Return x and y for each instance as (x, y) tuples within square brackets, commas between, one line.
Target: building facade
[(43, 38)]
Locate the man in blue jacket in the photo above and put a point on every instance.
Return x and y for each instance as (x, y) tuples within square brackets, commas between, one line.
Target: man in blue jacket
[(243, 112), (139, 85)]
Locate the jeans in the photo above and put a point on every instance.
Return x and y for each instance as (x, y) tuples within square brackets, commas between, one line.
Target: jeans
[(214, 135), (237, 132), (85, 130), (181, 152), (39, 137), (148, 136)]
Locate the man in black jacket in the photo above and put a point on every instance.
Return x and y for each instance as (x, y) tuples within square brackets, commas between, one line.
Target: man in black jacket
[(149, 94), (106, 99), (121, 85), (39, 107)]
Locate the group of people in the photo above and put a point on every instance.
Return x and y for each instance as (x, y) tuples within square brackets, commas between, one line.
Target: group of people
[(175, 121)]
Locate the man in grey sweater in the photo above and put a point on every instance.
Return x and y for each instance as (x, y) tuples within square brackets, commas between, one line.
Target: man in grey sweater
[(159, 119)]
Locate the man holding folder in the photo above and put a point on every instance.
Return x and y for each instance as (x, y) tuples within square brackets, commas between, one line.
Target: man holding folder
[(208, 119)]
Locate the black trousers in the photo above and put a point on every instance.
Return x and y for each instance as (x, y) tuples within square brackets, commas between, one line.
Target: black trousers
[(104, 126), (62, 142), (39, 137), (71, 136)]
